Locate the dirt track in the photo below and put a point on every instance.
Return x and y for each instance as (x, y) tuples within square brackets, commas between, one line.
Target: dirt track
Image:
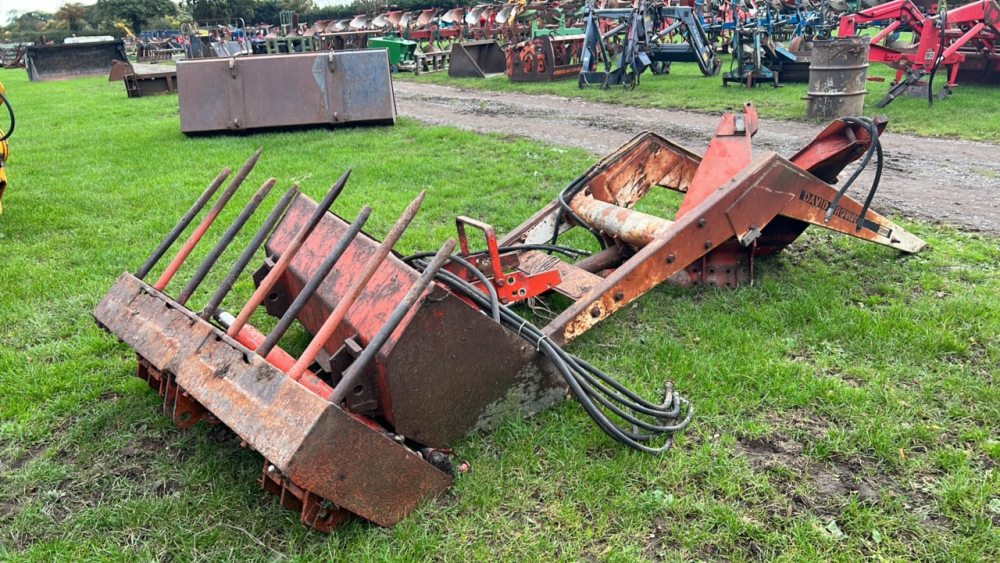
[(943, 180)]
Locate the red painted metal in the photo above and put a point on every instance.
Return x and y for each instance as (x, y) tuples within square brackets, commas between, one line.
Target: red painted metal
[(727, 154), (332, 323), (253, 338), (202, 228), (511, 286), (969, 35)]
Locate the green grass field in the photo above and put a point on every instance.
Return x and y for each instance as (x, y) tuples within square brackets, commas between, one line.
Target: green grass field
[(971, 112), (848, 402)]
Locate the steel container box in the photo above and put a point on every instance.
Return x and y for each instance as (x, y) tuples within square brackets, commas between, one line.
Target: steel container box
[(298, 89)]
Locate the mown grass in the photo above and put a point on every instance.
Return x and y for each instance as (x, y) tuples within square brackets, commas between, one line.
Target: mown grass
[(971, 112), (847, 403)]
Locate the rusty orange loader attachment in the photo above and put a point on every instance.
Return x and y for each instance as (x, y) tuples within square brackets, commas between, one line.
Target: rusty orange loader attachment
[(411, 353)]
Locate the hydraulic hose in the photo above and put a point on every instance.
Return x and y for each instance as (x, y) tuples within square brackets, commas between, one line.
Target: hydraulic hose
[(10, 111), (592, 387)]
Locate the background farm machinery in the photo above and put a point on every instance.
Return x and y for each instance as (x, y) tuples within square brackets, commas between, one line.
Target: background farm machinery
[(646, 33), (962, 40), (411, 353)]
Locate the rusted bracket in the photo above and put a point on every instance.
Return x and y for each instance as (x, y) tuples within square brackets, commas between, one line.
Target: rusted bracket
[(510, 287)]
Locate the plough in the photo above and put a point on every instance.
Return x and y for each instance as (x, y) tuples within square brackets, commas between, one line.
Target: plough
[(963, 39), (410, 354)]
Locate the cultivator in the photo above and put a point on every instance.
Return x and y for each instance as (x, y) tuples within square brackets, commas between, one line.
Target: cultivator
[(404, 362), (963, 39)]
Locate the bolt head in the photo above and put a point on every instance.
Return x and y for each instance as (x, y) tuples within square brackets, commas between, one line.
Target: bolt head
[(595, 312)]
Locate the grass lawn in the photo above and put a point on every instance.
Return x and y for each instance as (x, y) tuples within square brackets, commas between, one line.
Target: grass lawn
[(971, 112), (848, 402)]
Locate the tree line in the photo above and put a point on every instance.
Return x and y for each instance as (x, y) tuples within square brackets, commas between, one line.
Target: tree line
[(107, 17)]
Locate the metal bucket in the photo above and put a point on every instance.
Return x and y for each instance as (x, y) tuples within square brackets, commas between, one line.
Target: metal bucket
[(476, 59), (77, 60), (837, 76), (300, 89)]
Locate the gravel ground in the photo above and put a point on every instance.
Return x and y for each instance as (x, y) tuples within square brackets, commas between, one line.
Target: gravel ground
[(943, 180)]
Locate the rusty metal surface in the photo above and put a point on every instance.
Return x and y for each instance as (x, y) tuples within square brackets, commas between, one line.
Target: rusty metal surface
[(474, 358), (621, 223), (837, 77), (623, 178), (705, 227), (316, 445), (75, 60), (285, 90), (140, 85), (545, 59), (782, 198), (729, 152), (701, 241)]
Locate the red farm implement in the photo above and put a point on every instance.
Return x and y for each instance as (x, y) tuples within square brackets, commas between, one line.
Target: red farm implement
[(545, 59), (404, 362), (963, 40)]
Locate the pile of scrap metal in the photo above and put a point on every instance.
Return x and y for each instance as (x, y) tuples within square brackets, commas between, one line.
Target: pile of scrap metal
[(144, 80), (4, 145), (318, 88), (410, 354), (963, 39), (649, 35), (72, 60)]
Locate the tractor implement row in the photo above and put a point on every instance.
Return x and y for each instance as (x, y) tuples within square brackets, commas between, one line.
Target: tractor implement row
[(410, 354), (646, 44), (963, 40)]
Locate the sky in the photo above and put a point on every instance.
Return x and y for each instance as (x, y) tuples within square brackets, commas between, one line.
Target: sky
[(52, 5)]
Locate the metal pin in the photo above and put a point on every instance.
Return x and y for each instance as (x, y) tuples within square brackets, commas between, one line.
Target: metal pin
[(354, 371), (286, 257), (213, 213), (338, 314), (307, 292), (244, 259), (224, 242), (183, 223)]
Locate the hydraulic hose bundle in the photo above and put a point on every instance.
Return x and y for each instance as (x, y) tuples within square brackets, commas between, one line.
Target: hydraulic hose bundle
[(594, 389), (875, 148)]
